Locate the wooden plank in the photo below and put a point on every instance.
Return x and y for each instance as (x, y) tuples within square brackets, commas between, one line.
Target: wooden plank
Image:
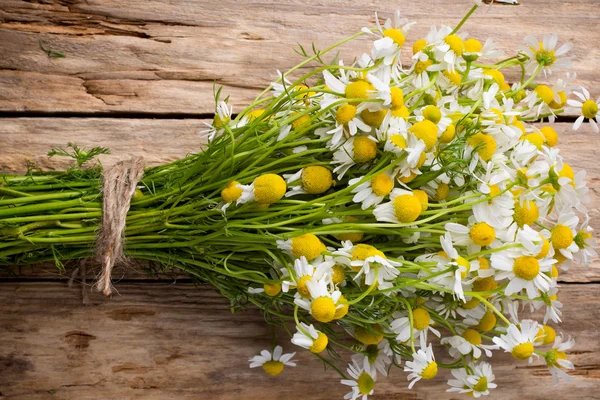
[(162, 140), (163, 57), (158, 341)]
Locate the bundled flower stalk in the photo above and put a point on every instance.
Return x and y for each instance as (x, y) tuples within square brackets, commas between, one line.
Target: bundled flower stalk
[(378, 207)]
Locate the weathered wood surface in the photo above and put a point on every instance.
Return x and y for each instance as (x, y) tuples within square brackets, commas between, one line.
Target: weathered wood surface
[(161, 341), (162, 338), (163, 57)]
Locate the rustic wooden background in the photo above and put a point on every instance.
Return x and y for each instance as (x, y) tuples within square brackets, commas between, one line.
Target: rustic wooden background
[(138, 77)]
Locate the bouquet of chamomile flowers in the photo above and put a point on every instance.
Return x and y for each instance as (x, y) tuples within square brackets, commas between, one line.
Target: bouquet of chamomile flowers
[(376, 207)]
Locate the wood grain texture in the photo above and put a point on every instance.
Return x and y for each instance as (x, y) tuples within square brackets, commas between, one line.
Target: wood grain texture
[(160, 341), (163, 57)]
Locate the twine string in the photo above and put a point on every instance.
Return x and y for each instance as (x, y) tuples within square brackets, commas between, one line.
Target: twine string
[(119, 183)]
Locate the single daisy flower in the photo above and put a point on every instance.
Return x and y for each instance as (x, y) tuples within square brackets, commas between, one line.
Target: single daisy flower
[(476, 382), (273, 363), (421, 324), (588, 109), (544, 55), (556, 359), (404, 207), (322, 303), (519, 341), (423, 366), (363, 380), (307, 245), (356, 150), (266, 189), (469, 342), (310, 338), (373, 191), (313, 179)]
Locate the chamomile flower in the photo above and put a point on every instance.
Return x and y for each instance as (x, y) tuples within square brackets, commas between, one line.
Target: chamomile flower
[(322, 303), (376, 356), (273, 363), (392, 37), (422, 366), (363, 380), (588, 109), (310, 338), (421, 324), (469, 342), (305, 272), (306, 245), (373, 191), (476, 382), (543, 55), (556, 358), (519, 341), (313, 179), (266, 189), (524, 271), (356, 150), (404, 207), (222, 118)]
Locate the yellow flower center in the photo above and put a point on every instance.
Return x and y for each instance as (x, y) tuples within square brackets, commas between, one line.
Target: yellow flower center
[(409, 178), (407, 208), (421, 318), (422, 196), (373, 118), (448, 134), (365, 383), (494, 191), (496, 75), (522, 351), (536, 139), (545, 57), (563, 100), (323, 309), (430, 371), (421, 66), (343, 310), (432, 113), (382, 184), (358, 90), (552, 357), (473, 46), (526, 213), (398, 140), (316, 179), (254, 114), (269, 188), (472, 336), (471, 304), (485, 145), (363, 251), (441, 193), (554, 272), (481, 385), (302, 288), (400, 112), (482, 234), (545, 93), (345, 113), (397, 97), (561, 237), (545, 248), (272, 289), (219, 122), (483, 263), (454, 77), (526, 267), (485, 285), (396, 35), (589, 109), (300, 121), (365, 149), (338, 275), (367, 336), (550, 135), (319, 343), (549, 334), (426, 131), (456, 44), (307, 245), (273, 367), (231, 192), (487, 322), (567, 172), (419, 45)]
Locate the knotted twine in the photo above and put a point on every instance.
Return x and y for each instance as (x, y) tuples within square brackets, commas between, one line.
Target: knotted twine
[(119, 183)]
